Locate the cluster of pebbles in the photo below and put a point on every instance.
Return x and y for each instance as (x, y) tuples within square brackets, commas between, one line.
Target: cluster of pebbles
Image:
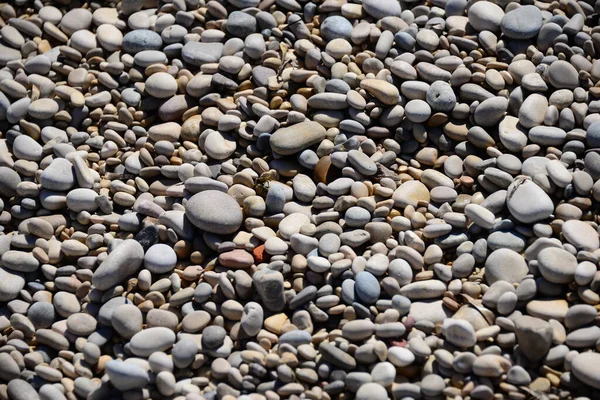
[(270, 199)]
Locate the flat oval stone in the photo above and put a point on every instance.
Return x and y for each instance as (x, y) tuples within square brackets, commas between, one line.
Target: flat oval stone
[(522, 22), (430, 289), (410, 193), (381, 9), (533, 110), (547, 135), (485, 16), (295, 138), (358, 329), (139, 40), (459, 332), (295, 338), (75, 20), (214, 211), (382, 90), (563, 75), (491, 365), (151, 340), (161, 85), (400, 356), (19, 389), (480, 215), (126, 376), (126, 319), (81, 324), (581, 235), (505, 265), (20, 261), (160, 259), (362, 162), (548, 309), (367, 287), (198, 54), (336, 26), (527, 202), (557, 265), (583, 337), (121, 263), (337, 356), (586, 368), (11, 283), (9, 369), (237, 258), (26, 148)]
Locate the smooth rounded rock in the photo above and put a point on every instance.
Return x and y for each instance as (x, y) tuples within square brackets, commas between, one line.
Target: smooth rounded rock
[(122, 262), (214, 211)]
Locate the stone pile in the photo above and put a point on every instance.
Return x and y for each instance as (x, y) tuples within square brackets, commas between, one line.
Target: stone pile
[(308, 200)]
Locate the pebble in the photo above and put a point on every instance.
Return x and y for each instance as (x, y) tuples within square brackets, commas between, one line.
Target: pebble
[(411, 193), (557, 265), (383, 91), (522, 22), (139, 40), (127, 320), (370, 391), (585, 368), (151, 340), (381, 9), (58, 175), (291, 140), (269, 285), (241, 24), (11, 283), (562, 75), (440, 96), (485, 16), (505, 265), (535, 334), (120, 263), (19, 389), (126, 376), (336, 26), (160, 259), (198, 54), (214, 211), (161, 85), (581, 235), (539, 204), (459, 332), (367, 287)]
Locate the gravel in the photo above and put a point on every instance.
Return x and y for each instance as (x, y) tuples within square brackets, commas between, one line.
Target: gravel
[(285, 200)]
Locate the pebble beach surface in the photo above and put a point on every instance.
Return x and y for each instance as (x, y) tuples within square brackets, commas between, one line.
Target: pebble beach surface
[(290, 199)]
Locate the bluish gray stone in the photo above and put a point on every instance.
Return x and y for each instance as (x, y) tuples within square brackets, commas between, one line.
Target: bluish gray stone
[(441, 97), (19, 389), (367, 287), (214, 211), (126, 376), (382, 8), (592, 135), (522, 23), (122, 262), (335, 27), (213, 336), (140, 40), (295, 338), (241, 24)]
